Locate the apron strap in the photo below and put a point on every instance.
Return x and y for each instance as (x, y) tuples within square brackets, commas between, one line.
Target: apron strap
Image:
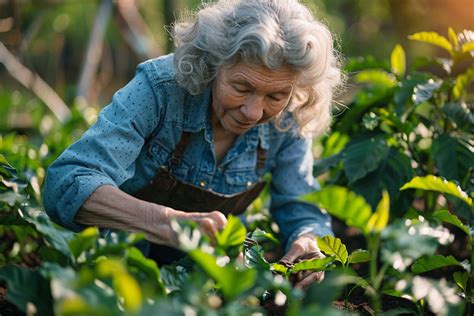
[(180, 149)]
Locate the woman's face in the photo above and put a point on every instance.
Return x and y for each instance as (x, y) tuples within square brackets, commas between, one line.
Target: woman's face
[(245, 95)]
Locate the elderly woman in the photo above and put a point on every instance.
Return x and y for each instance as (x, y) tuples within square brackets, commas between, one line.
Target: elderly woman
[(190, 137)]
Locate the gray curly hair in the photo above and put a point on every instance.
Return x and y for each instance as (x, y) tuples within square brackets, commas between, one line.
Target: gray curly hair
[(272, 33)]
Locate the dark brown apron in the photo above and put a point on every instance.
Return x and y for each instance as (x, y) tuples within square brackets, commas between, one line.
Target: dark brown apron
[(165, 189)]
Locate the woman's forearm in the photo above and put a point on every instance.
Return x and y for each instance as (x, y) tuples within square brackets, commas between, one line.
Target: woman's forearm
[(109, 207)]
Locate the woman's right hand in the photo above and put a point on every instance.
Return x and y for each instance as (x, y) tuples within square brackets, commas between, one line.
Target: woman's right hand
[(208, 223)]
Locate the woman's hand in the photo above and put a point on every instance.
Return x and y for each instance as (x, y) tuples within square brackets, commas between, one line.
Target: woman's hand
[(303, 248), (208, 223)]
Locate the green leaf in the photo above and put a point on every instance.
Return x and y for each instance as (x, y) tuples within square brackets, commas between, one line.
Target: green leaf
[(365, 62), (322, 264), (84, 240), (453, 158), (433, 262), (363, 155), (231, 281), (432, 38), (27, 286), (261, 235), (58, 237), (334, 144), (135, 258), (378, 221), (461, 279), (433, 183), (254, 258), (279, 268), (343, 204), (447, 217), (398, 61), (462, 81), (358, 256), (394, 171), (233, 233), (461, 114), (333, 246), (323, 165), (467, 47), (424, 92), (376, 77), (453, 37)]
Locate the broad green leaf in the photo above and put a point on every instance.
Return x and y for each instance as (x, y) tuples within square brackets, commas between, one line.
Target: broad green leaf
[(453, 158), (462, 81), (432, 38), (322, 165), (376, 77), (57, 236), (453, 38), (83, 241), (358, 256), (424, 92), (433, 183), (333, 246), (322, 264), (260, 235), (433, 262), (254, 258), (233, 233), (398, 61), (128, 289), (461, 114), (27, 286), (279, 268), (343, 204), (379, 220), (231, 281), (461, 279), (447, 217), (334, 144), (394, 171), (467, 47), (363, 155), (135, 258)]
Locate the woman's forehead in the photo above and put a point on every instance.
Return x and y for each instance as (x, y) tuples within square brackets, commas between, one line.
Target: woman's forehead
[(259, 74)]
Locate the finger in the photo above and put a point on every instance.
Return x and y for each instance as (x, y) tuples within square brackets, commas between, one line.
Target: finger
[(296, 251), (219, 219), (310, 279), (207, 226)]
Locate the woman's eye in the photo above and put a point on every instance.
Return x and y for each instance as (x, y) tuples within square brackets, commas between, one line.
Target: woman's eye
[(241, 89)]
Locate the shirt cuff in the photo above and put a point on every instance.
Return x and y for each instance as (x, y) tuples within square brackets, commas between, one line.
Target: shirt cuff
[(74, 197)]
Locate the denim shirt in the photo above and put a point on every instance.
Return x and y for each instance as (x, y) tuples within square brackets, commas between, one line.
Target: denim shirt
[(137, 132)]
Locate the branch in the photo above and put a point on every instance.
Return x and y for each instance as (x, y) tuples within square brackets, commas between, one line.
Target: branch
[(94, 50), (33, 82), (136, 32)]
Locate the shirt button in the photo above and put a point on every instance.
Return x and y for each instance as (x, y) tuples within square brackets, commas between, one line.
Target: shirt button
[(203, 183), (249, 183)]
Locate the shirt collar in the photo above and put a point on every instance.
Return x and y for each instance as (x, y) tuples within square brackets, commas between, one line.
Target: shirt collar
[(197, 112)]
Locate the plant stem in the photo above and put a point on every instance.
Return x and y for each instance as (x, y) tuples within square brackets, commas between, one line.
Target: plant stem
[(374, 242)]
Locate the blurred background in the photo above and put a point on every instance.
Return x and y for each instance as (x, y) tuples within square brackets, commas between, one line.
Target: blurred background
[(56, 55)]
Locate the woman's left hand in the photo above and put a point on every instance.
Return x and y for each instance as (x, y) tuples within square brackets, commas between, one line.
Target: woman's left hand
[(303, 248)]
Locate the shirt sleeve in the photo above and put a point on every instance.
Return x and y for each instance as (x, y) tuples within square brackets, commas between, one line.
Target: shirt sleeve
[(106, 152), (291, 178)]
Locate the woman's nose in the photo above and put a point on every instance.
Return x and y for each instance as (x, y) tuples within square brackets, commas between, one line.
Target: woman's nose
[(253, 109)]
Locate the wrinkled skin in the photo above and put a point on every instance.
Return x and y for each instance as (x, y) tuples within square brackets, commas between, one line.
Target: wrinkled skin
[(303, 248)]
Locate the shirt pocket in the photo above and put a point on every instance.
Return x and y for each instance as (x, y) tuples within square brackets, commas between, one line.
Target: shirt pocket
[(159, 153), (240, 180)]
